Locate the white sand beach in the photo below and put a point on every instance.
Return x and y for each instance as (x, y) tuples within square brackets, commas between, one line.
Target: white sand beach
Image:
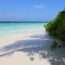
[(14, 50), (20, 58)]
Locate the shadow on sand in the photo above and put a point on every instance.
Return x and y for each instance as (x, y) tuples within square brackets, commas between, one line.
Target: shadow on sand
[(36, 44)]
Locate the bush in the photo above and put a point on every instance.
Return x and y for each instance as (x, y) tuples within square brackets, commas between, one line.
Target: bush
[(56, 27)]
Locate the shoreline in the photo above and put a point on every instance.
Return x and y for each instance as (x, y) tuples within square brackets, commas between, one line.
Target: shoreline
[(15, 37)]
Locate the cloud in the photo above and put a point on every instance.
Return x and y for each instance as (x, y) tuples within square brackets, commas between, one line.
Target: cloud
[(39, 6)]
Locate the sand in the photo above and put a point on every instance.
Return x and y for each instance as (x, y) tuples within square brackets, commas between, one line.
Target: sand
[(19, 58), (22, 59), (11, 54)]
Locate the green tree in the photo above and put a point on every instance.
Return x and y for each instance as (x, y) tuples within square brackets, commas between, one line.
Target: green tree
[(56, 27)]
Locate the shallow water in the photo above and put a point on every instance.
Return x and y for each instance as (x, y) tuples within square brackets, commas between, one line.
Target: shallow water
[(7, 29)]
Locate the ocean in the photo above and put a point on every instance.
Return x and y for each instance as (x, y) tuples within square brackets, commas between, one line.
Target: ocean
[(7, 29)]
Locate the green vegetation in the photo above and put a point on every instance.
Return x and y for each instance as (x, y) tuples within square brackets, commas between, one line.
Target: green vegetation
[(56, 28)]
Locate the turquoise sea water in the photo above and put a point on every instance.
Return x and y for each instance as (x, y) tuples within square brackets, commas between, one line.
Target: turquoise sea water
[(19, 28)]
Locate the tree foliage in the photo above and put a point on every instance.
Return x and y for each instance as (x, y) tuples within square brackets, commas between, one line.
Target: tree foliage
[(56, 27)]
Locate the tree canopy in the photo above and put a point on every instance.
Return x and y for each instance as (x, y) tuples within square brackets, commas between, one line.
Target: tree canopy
[(56, 27)]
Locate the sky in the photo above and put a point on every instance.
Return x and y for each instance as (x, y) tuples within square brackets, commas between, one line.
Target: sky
[(30, 10)]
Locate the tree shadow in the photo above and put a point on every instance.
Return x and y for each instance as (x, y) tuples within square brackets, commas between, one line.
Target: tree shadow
[(55, 57)]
